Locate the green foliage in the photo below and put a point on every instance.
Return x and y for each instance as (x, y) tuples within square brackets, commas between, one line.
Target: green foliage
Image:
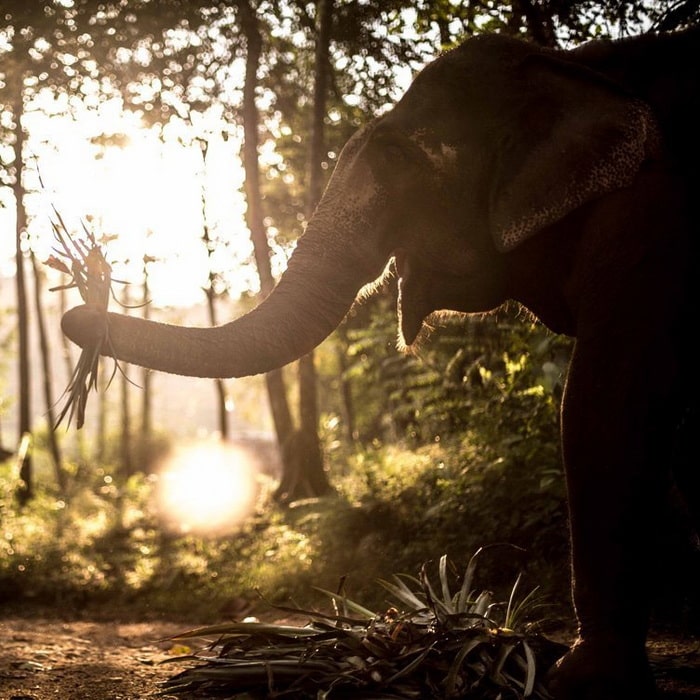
[(457, 446), (106, 547), (495, 375), (403, 507)]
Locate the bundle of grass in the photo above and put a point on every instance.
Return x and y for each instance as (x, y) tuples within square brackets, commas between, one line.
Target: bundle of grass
[(433, 644), (82, 259)]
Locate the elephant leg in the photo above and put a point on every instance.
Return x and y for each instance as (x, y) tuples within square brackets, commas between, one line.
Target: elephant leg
[(686, 470), (603, 671), (616, 484)]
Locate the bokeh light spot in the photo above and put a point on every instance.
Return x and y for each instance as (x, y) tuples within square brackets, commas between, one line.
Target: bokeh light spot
[(207, 487)]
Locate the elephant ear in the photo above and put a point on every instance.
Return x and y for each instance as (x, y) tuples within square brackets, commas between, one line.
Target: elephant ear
[(576, 138)]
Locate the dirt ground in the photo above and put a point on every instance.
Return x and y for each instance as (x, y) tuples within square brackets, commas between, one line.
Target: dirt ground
[(46, 659)]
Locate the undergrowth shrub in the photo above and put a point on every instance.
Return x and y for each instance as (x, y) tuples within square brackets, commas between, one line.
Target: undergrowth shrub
[(106, 550)]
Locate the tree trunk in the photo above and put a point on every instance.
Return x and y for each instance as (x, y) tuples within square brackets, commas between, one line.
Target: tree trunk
[(102, 411), (146, 417), (78, 436), (274, 380), (127, 467), (346, 399), (54, 447), (312, 459), (219, 384), (304, 475), (25, 491)]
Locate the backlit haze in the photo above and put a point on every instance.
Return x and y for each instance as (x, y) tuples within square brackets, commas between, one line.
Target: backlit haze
[(143, 190)]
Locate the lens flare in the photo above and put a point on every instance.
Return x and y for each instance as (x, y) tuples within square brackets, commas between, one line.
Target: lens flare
[(207, 487)]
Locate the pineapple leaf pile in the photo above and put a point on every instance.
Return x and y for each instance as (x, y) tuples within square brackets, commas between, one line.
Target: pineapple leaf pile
[(431, 644)]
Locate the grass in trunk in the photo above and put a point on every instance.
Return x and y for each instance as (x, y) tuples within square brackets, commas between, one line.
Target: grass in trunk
[(82, 259)]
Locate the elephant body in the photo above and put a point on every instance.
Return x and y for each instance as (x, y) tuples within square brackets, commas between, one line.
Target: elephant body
[(566, 181)]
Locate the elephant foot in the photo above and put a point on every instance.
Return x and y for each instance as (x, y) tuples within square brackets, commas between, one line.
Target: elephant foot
[(603, 670)]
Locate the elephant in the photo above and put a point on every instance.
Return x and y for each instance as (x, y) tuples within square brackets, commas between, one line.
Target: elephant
[(565, 180)]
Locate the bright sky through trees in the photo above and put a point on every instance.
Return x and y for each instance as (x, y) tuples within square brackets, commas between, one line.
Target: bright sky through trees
[(142, 188)]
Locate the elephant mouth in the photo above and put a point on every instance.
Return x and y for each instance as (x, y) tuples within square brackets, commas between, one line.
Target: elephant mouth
[(401, 265), (425, 287), (414, 300)]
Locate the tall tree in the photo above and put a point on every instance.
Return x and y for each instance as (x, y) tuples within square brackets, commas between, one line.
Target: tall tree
[(210, 291), (146, 397), (23, 350), (279, 405), (305, 475), (308, 400), (47, 375)]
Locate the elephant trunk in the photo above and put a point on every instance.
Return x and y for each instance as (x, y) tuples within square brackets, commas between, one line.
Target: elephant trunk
[(311, 299)]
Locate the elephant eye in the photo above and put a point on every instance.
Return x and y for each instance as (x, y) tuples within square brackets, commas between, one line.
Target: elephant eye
[(395, 153), (394, 149)]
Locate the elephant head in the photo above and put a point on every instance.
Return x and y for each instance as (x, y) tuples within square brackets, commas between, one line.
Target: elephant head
[(493, 142)]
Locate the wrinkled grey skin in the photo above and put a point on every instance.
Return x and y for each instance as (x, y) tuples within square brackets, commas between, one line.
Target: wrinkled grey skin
[(566, 181)]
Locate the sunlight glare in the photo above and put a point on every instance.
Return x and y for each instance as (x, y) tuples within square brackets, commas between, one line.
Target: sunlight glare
[(207, 487), (142, 188)]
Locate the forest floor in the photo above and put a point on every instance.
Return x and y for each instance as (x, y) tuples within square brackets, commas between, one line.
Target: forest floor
[(45, 659)]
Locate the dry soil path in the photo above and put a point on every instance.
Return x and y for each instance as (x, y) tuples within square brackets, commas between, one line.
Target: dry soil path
[(44, 659), (49, 660)]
